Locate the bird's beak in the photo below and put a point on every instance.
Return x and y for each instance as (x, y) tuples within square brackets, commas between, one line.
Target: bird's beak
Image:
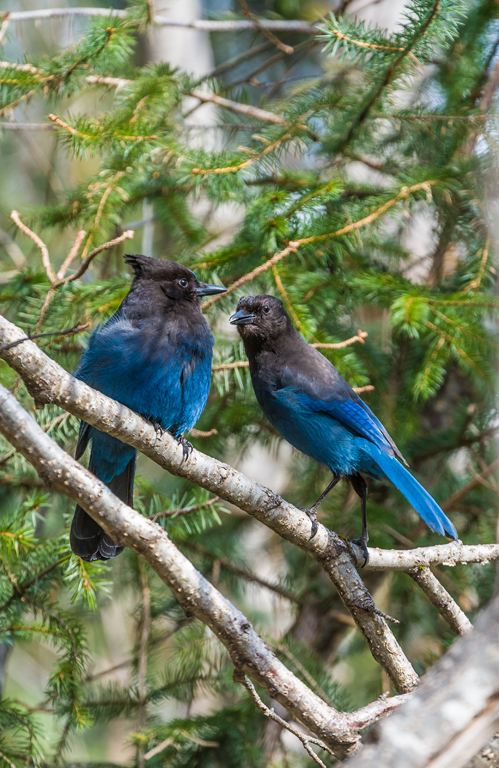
[(205, 289), (241, 318)]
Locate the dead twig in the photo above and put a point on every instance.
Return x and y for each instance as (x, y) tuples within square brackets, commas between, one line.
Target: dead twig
[(305, 740)]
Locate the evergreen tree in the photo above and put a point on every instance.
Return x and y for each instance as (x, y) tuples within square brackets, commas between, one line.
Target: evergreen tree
[(414, 110)]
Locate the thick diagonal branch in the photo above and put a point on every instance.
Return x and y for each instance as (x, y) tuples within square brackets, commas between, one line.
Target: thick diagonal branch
[(49, 383), (196, 595)]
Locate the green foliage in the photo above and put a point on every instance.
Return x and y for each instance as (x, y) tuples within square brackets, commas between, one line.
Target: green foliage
[(381, 165)]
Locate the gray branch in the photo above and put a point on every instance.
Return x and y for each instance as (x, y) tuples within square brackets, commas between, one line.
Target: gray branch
[(436, 594), (300, 27), (49, 383), (195, 594), (454, 712)]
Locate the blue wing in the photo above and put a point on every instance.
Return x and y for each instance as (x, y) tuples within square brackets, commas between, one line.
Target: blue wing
[(353, 416), (321, 389)]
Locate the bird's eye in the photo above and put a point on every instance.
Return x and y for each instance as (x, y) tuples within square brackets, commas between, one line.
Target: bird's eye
[(266, 309), (183, 282)]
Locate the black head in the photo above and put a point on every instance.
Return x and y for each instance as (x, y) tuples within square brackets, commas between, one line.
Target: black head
[(261, 319), (175, 281)]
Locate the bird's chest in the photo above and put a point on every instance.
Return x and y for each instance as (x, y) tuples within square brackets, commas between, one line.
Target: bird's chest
[(161, 371)]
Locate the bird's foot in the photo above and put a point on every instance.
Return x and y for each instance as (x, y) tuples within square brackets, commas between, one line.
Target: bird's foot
[(362, 543), (160, 431), (312, 514), (187, 447)]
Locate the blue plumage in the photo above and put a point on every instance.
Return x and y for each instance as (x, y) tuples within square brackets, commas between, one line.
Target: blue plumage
[(313, 407), (154, 356)]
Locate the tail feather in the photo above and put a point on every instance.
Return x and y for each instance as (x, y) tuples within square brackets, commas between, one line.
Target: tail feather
[(88, 540), (426, 506)]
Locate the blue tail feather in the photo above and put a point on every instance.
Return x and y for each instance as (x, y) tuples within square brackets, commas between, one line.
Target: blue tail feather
[(426, 507)]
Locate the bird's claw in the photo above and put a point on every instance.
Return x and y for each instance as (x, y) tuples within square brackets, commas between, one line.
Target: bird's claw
[(187, 447), (312, 515), (362, 543), (160, 431)]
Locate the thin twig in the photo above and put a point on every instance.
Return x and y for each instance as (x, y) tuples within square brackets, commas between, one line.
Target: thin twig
[(184, 510), (300, 27), (203, 433), (72, 254), (104, 247), (483, 263), (31, 336), (458, 495), (5, 26), (287, 49), (281, 648), (242, 572), (243, 109), (305, 740), (39, 243)]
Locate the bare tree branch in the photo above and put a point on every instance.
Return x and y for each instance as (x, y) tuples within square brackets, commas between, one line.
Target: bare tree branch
[(447, 607), (243, 109), (196, 595), (48, 382), (305, 740), (300, 27), (454, 712)]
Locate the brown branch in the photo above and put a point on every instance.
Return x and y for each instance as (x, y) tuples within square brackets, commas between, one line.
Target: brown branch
[(203, 433), (295, 244), (72, 254), (30, 336), (287, 49), (128, 235), (235, 106), (39, 243), (458, 495)]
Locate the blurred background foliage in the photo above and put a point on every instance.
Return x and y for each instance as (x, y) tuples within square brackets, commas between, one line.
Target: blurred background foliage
[(98, 663)]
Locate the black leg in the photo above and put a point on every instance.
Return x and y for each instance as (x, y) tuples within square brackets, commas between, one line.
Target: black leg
[(312, 511), (360, 487), (187, 447)]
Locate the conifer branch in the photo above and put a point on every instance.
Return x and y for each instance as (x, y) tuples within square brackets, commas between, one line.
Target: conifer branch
[(295, 244)]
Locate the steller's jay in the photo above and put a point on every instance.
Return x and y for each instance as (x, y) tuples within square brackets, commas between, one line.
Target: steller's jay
[(313, 407), (154, 356)]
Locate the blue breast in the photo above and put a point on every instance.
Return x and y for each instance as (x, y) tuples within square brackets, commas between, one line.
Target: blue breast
[(163, 376)]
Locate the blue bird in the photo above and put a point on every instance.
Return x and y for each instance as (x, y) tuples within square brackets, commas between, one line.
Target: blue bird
[(154, 356), (314, 408)]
